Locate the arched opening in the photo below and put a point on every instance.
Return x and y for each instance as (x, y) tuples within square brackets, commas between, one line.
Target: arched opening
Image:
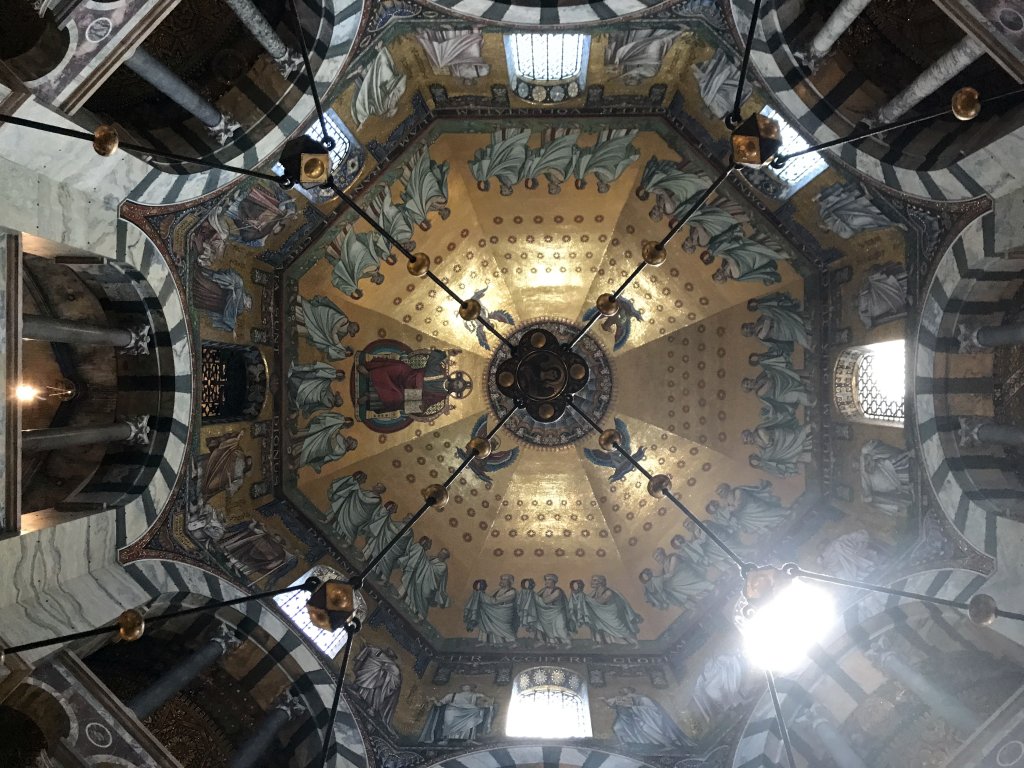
[(549, 702), (870, 382), (234, 384), (547, 68)]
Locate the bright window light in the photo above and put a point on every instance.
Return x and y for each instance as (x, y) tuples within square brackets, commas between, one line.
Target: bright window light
[(546, 58), (548, 703), (341, 143), (783, 631), (801, 169), (294, 606), (26, 393), (881, 380)]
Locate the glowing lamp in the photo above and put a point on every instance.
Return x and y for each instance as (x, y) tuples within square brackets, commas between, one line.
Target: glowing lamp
[(334, 604), (783, 617), (26, 393), (756, 141), (307, 161)]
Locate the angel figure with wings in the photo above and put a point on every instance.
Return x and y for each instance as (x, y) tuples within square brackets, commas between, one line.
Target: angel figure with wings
[(621, 322), (495, 461), (498, 316), (614, 460)]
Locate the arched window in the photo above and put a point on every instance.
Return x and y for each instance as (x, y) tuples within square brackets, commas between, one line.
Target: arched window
[(547, 67), (799, 170), (294, 606), (549, 702), (344, 160), (234, 383), (870, 382)]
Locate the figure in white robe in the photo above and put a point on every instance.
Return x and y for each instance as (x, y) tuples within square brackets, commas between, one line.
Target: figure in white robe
[(326, 326), (849, 556), (722, 685), (708, 221), (462, 716), (610, 617), (379, 91), (493, 616), (322, 441), (885, 476), (637, 54), (718, 78), (743, 258), (778, 382), (780, 449), (309, 386), (554, 159), (355, 256), (504, 158), (378, 680), (424, 578), (654, 594), (607, 159), (426, 189), (526, 607), (380, 530), (679, 583), (351, 507), (847, 211), (641, 720), (554, 625), (394, 219), (671, 186), (779, 323), (457, 52), (883, 294), (752, 509), (578, 604)]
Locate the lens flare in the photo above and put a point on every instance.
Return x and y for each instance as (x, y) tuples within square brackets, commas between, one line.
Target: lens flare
[(783, 631)]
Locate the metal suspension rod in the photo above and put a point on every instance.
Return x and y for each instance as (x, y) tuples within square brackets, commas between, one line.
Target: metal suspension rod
[(869, 132), (754, 14), (741, 564), (410, 257), (783, 730), (351, 630), (130, 147), (358, 580), (153, 620), (304, 50), (814, 576)]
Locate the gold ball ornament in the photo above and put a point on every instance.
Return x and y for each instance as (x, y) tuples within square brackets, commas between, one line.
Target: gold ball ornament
[(105, 140), (607, 305), (481, 446), (538, 340), (314, 167), (546, 411), (419, 266), (577, 371), (131, 625), (608, 439), (436, 495), (658, 485), (506, 379), (470, 310), (654, 253), (966, 104), (981, 609)]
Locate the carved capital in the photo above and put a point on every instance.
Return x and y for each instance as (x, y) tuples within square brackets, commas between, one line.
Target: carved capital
[(289, 63), (225, 129), (812, 716), (968, 433), (139, 426), (967, 335), (139, 343), (226, 638), (290, 705)]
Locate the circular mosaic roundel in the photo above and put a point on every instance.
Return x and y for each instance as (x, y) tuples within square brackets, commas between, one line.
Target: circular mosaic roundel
[(594, 399)]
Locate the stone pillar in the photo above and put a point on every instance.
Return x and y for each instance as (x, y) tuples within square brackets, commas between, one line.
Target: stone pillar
[(287, 60), (255, 747), (978, 338), (816, 717), (942, 703), (842, 17), (176, 89), (975, 431), (951, 64), (133, 429), (184, 672), (134, 341)]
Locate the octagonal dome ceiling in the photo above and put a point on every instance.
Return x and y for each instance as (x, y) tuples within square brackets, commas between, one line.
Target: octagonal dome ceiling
[(372, 422)]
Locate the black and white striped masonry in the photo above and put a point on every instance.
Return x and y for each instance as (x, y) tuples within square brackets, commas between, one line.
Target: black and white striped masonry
[(538, 13)]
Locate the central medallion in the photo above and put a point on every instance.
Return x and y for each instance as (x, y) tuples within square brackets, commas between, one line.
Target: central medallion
[(542, 374)]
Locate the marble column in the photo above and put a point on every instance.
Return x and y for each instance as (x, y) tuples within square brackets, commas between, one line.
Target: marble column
[(842, 17), (287, 60), (180, 92), (255, 747), (975, 431), (184, 672), (134, 341), (978, 338), (133, 429), (948, 66), (816, 717), (941, 702)]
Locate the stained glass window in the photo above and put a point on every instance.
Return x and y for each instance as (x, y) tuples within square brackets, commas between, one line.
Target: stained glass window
[(294, 606), (549, 702), (870, 382), (546, 58), (799, 170)]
